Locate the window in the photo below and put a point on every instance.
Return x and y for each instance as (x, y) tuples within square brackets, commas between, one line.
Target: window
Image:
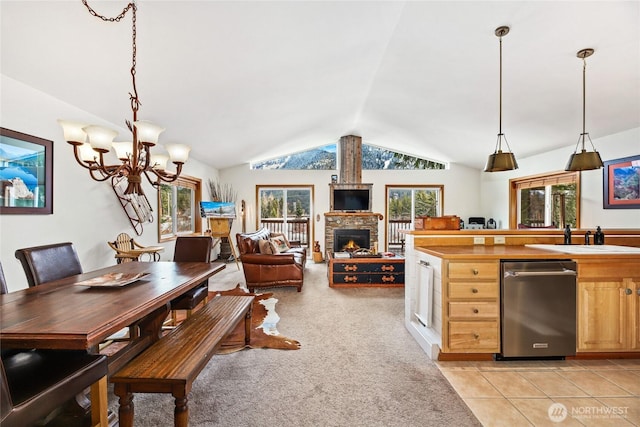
[(321, 158), (373, 158), (377, 158), (545, 201), (404, 204), (178, 208), (286, 209)]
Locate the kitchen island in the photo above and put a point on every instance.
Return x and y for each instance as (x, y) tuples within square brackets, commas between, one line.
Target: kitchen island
[(452, 297)]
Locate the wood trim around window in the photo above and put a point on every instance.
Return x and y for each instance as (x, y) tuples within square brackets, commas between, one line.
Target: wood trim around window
[(186, 182), (541, 180)]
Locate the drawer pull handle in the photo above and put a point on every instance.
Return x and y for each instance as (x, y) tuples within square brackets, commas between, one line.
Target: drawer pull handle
[(476, 311), (387, 268), (475, 271), (351, 268), (475, 336), (628, 291), (386, 279), (474, 290), (349, 279)]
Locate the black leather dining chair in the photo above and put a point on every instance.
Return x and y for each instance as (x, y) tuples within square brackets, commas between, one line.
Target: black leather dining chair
[(191, 249), (49, 262), (35, 382)]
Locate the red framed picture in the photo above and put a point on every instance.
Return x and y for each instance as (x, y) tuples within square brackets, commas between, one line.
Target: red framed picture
[(622, 183)]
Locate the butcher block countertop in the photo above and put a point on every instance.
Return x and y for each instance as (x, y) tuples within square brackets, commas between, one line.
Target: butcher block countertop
[(492, 252)]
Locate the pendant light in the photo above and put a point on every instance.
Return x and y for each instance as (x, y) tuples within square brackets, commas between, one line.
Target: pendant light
[(584, 160), (499, 160)]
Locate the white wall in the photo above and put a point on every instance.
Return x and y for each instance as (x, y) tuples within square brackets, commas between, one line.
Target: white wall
[(85, 212), (88, 214), (461, 190), (495, 186)]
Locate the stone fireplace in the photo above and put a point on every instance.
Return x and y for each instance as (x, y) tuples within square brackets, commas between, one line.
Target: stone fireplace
[(349, 239), (354, 223)]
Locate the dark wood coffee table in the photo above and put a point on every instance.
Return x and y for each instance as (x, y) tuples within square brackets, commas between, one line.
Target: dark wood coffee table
[(386, 271)]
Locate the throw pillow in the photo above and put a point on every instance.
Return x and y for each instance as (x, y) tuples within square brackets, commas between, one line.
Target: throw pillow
[(266, 247), (280, 244)]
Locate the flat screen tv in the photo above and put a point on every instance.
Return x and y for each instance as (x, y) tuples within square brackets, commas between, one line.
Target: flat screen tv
[(351, 200)]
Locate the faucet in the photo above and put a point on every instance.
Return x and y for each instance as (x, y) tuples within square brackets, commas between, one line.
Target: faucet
[(587, 235)]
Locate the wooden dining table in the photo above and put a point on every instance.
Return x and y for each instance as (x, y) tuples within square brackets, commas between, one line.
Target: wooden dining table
[(80, 312)]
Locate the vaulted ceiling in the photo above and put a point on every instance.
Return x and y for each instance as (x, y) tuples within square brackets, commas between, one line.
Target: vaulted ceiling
[(242, 81)]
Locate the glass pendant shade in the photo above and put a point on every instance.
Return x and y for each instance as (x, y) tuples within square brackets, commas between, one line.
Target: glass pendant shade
[(159, 161), (100, 138), (585, 160), (148, 133), (179, 153), (123, 149), (87, 153), (501, 161), (73, 132)]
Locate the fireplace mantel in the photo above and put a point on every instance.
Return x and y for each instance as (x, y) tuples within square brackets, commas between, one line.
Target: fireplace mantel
[(362, 213)]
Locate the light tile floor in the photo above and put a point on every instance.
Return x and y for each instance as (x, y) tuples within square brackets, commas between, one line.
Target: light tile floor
[(549, 393)]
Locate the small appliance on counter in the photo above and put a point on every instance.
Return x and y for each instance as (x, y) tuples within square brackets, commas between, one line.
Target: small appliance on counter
[(475, 223), (491, 224)]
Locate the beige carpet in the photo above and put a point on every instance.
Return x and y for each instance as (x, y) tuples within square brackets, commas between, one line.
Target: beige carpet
[(357, 366)]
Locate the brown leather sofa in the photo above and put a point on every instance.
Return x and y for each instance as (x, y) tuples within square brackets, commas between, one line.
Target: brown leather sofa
[(265, 270)]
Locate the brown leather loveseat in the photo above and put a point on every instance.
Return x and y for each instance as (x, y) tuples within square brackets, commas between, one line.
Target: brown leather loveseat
[(269, 260)]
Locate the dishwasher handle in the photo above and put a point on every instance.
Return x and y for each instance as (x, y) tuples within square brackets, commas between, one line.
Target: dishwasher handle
[(564, 272)]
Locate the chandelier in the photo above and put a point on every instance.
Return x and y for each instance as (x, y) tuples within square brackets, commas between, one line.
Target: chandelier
[(499, 160), (91, 142), (584, 160)]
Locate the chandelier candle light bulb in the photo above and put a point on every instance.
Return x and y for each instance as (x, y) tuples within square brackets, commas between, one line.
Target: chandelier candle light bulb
[(91, 142)]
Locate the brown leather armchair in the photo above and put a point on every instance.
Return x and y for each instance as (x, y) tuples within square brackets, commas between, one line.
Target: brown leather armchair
[(265, 270)]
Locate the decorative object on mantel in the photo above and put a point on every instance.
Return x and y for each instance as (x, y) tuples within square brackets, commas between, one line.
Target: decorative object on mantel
[(584, 160), (501, 161), (135, 157)]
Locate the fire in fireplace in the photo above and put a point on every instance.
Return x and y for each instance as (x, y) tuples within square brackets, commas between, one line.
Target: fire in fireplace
[(349, 240)]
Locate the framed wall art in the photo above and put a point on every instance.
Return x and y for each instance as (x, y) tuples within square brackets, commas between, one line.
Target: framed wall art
[(622, 183), (26, 173)]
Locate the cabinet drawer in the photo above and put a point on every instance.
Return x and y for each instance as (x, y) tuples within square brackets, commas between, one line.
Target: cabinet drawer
[(361, 267), (367, 278), (350, 278), (480, 310), (473, 290), (473, 270), (474, 336)]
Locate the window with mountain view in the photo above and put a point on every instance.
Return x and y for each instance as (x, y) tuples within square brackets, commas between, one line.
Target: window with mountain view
[(404, 204), (286, 209), (373, 158)]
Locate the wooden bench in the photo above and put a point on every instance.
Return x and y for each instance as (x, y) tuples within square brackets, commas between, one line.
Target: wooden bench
[(172, 364)]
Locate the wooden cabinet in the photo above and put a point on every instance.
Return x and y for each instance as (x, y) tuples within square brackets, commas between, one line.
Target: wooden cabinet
[(471, 307), (608, 305)]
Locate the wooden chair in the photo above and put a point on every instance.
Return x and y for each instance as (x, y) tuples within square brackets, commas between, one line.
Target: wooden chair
[(127, 249)]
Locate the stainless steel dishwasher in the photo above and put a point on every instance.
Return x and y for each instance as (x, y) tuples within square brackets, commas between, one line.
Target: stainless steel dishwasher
[(538, 308)]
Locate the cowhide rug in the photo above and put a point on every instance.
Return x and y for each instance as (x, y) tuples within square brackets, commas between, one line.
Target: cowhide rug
[(263, 326)]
